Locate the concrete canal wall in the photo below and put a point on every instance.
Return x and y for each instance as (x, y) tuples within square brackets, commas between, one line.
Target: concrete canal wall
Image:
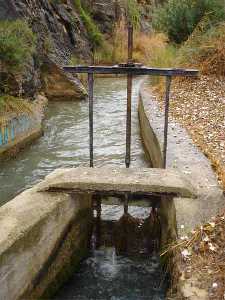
[(149, 138), (43, 237), (16, 131), (184, 156)]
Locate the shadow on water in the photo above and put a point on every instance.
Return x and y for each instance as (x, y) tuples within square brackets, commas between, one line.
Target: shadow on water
[(107, 275)]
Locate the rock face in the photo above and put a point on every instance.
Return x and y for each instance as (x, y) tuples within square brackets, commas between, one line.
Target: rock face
[(60, 34), (105, 13), (60, 86)]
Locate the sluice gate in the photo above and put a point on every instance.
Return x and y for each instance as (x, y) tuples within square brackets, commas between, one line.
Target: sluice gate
[(46, 230), (157, 187), (131, 70)]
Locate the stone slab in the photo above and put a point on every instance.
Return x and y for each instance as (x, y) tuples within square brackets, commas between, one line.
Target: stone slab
[(118, 180)]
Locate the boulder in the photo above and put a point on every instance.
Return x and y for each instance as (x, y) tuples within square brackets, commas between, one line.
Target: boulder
[(58, 85), (60, 34)]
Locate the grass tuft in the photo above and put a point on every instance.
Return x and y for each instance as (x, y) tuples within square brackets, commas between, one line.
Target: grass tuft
[(13, 105), (17, 44), (94, 34)]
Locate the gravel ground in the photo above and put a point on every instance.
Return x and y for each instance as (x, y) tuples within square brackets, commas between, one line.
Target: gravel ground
[(185, 157), (199, 105), (201, 259)]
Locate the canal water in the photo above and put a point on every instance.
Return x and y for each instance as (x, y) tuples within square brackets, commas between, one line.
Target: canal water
[(65, 144)]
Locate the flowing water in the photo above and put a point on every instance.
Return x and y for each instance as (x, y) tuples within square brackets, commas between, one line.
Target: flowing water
[(65, 144)]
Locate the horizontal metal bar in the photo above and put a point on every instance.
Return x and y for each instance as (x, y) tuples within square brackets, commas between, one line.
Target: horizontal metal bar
[(142, 70)]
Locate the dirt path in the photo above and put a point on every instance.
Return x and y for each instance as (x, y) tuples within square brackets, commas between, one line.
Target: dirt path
[(199, 106), (187, 158)]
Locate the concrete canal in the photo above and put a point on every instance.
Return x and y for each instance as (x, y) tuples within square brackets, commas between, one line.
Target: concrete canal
[(65, 144)]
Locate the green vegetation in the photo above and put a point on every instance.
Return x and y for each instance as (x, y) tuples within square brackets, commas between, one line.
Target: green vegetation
[(198, 29), (205, 49), (17, 44), (92, 30), (178, 19), (133, 12), (10, 104)]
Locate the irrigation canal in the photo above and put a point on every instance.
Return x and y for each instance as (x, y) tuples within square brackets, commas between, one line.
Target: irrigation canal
[(65, 144)]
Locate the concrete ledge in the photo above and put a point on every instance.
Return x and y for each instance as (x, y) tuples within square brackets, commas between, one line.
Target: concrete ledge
[(184, 156), (20, 130), (42, 237), (13, 147), (119, 181)]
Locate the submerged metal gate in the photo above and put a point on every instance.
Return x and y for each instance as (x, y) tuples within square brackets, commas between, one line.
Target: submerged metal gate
[(130, 69)]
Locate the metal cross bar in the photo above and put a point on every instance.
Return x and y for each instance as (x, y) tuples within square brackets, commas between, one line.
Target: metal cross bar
[(130, 69), (134, 70)]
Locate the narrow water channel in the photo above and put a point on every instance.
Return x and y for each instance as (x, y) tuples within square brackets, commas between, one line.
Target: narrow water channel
[(65, 144)]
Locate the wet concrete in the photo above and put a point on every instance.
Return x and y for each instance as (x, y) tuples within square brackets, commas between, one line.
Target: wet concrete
[(184, 156)]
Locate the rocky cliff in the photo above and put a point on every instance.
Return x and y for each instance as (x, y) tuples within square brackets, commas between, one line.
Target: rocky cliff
[(60, 33)]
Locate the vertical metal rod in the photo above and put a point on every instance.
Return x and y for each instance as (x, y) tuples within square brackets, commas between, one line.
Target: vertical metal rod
[(91, 128), (130, 42), (167, 106), (128, 124), (129, 96), (98, 222), (126, 204)]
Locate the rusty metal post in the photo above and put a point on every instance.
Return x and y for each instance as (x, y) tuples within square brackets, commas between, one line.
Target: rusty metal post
[(128, 125), (91, 127), (129, 96), (125, 206), (130, 42), (167, 105), (98, 222)]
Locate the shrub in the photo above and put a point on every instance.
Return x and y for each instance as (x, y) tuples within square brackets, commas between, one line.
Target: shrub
[(133, 12), (17, 44), (92, 30), (205, 50), (148, 48), (178, 19)]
